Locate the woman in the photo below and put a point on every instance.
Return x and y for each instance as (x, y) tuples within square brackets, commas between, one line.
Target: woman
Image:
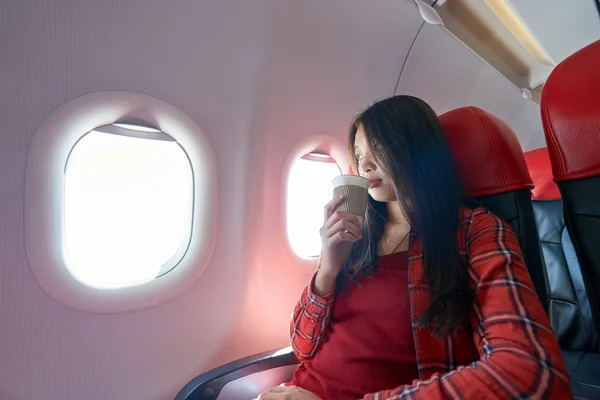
[(430, 298)]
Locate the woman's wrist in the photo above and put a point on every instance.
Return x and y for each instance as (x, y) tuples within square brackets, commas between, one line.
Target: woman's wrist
[(324, 283)]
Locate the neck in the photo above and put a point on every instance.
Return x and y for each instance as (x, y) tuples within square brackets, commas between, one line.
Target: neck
[(395, 213)]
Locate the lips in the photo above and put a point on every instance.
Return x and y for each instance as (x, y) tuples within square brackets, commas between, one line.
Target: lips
[(373, 183)]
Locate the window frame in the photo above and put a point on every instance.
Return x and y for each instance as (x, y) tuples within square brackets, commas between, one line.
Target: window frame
[(44, 193), (314, 143)]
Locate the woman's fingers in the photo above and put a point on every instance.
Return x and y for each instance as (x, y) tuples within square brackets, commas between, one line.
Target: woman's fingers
[(346, 226), (342, 237), (288, 392), (270, 394), (332, 206), (340, 215)]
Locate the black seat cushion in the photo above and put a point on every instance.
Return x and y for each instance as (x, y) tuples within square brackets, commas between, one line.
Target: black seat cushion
[(570, 311), (583, 370), (582, 209)]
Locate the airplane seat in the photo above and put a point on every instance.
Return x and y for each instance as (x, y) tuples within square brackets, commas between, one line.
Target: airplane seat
[(570, 312), (491, 163), (571, 118)]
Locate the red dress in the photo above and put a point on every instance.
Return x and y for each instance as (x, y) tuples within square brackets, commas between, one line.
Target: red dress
[(369, 344)]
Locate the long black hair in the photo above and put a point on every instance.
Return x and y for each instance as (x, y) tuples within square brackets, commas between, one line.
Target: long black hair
[(409, 145)]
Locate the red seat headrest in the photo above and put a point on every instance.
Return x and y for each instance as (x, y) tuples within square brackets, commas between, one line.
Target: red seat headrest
[(540, 170), (486, 151), (571, 115)]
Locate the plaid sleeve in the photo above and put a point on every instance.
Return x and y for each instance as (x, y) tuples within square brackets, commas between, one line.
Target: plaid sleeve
[(309, 323), (519, 355)]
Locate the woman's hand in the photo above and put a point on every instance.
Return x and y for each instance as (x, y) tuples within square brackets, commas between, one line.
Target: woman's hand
[(288, 393), (340, 230)]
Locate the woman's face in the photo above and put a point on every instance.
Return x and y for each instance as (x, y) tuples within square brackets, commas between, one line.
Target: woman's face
[(382, 187)]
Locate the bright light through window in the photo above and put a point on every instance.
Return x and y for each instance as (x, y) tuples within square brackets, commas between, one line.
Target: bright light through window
[(309, 189), (127, 209)]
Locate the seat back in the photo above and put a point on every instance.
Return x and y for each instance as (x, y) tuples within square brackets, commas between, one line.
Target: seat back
[(569, 307), (490, 161), (571, 118)]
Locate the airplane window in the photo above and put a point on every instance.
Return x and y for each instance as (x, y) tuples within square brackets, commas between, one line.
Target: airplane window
[(128, 196), (309, 189), (117, 215)]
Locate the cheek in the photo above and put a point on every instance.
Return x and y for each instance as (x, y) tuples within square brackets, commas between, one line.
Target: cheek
[(389, 182), (358, 169), (390, 187)]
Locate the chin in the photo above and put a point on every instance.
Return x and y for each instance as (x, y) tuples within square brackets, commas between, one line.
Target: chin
[(381, 195)]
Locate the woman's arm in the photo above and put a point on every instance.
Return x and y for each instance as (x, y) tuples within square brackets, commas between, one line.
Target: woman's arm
[(520, 357), (312, 313), (310, 321)]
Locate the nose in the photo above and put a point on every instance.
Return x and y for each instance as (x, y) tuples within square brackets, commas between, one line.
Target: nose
[(367, 165)]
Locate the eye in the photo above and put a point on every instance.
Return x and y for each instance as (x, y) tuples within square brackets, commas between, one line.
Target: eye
[(359, 157)]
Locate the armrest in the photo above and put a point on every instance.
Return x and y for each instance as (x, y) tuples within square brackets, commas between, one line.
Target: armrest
[(208, 386)]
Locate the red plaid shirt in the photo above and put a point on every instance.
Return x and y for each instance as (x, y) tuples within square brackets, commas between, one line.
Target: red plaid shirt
[(510, 350)]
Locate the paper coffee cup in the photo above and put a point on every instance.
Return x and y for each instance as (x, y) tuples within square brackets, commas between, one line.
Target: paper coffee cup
[(356, 194)]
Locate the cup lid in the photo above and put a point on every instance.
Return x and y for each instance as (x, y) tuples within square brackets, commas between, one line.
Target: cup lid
[(350, 180)]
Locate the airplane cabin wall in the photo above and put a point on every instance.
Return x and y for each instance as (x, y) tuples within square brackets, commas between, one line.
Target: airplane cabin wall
[(256, 77), (447, 74)]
